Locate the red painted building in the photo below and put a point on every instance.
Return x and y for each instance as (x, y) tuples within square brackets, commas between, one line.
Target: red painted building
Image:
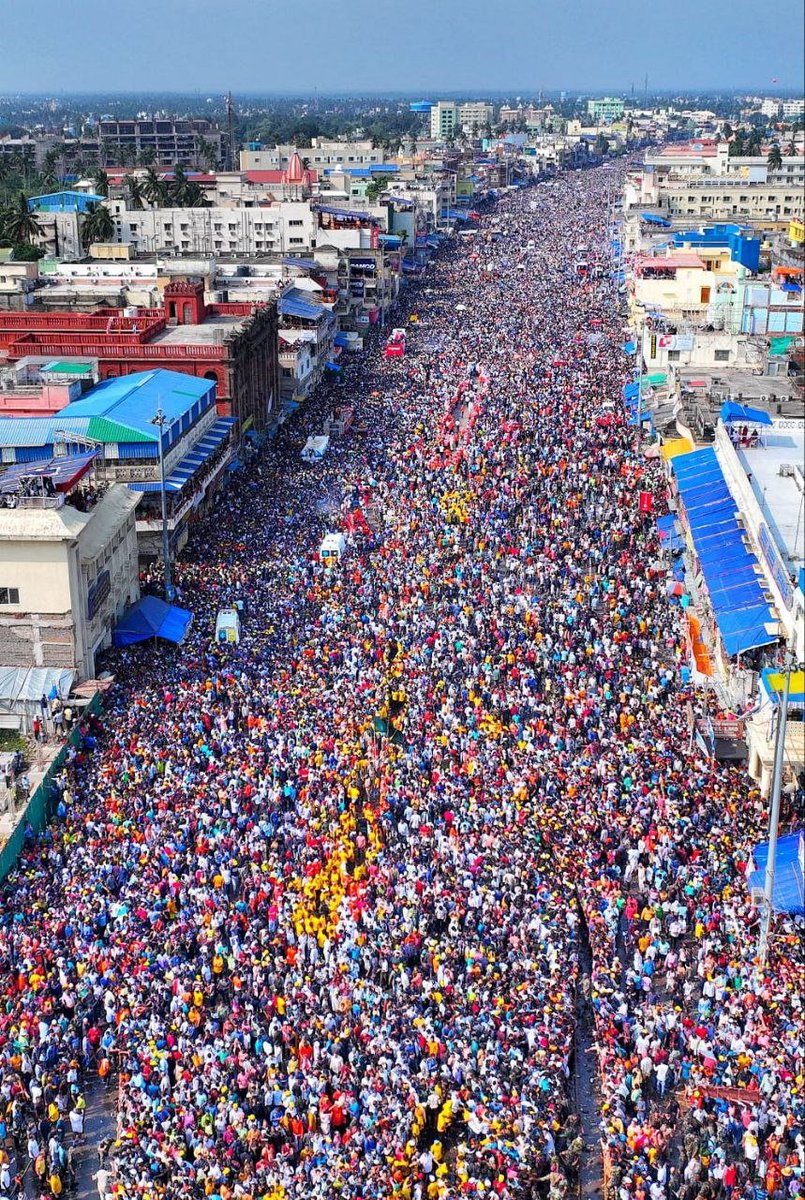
[(234, 344)]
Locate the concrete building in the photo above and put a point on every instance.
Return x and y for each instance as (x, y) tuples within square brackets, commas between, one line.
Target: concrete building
[(232, 345), (68, 572), (116, 420), (444, 120), (474, 116), (286, 228), (320, 154), (605, 109), (169, 139)]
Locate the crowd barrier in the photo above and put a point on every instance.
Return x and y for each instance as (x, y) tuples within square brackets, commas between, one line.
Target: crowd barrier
[(42, 801)]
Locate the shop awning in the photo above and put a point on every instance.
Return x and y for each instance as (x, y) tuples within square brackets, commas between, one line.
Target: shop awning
[(774, 686), (732, 411), (151, 617), (341, 339), (27, 685), (788, 894), (332, 366)]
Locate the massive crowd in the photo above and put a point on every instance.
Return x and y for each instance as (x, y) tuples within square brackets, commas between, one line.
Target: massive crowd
[(321, 898)]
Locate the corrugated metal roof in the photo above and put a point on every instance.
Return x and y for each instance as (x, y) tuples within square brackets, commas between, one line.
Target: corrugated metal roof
[(132, 400), (37, 431)]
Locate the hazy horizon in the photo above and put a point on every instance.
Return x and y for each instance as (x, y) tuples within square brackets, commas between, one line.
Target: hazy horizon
[(430, 47)]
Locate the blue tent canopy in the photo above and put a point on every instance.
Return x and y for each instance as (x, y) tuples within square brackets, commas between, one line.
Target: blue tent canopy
[(151, 617), (788, 895), (653, 219), (732, 411), (742, 614)]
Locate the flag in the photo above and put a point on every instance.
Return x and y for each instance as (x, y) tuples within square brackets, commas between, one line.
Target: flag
[(646, 502)]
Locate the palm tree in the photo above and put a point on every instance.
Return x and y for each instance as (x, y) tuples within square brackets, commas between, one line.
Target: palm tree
[(98, 225), (155, 189), (19, 225), (207, 153), (101, 181), (179, 187), (791, 150), (775, 158), (134, 188)]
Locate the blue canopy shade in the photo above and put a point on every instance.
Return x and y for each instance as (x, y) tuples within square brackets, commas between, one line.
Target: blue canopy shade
[(341, 339), (788, 895), (730, 572), (204, 448), (452, 214), (347, 214), (653, 219), (332, 366), (630, 348), (290, 305), (732, 411), (151, 617)]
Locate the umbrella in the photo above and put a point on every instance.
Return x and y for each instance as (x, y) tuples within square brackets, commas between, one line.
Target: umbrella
[(675, 589)]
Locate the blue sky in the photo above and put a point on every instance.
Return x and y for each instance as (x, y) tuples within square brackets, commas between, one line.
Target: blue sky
[(425, 46)]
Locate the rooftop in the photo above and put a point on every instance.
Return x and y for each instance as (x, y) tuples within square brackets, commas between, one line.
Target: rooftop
[(781, 495), (212, 331)]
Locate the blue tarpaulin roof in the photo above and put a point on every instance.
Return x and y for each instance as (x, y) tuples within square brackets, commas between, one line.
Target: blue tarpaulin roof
[(736, 594), (788, 895), (653, 219), (293, 304), (151, 617), (732, 411), (347, 214), (341, 339)]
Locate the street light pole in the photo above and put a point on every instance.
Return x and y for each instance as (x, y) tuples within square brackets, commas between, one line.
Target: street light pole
[(774, 819), (160, 420)]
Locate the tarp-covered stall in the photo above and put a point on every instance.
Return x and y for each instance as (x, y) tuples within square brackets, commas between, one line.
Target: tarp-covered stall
[(151, 617)]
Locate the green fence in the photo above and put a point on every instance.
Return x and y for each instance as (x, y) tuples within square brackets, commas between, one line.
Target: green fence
[(40, 808)]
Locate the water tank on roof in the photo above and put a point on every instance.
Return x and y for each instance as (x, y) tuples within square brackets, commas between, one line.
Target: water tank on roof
[(131, 310)]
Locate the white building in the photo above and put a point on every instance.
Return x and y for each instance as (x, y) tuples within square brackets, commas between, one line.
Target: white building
[(68, 576), (791, 109), (287, 228), (444, 120), (474, 116), (321, 153)]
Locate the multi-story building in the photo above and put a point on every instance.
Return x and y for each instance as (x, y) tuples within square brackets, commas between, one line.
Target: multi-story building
[(444, 120), (187, 140), (474, 116), (117, 420), (232, 345), (792, 109), (320, 154), (287, 228), (605, 109), (68, 547)]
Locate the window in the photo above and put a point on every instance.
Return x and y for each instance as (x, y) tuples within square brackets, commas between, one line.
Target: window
[(295, 222), (721, 356), (9, 595), (297, 241), (673, 356)]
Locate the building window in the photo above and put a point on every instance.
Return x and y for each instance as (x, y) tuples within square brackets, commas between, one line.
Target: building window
[(9, 595), (295, 222), (673, 356), (721, 356), (297, 241)]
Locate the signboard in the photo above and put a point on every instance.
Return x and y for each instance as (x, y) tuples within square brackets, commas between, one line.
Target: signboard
[(774, 562)]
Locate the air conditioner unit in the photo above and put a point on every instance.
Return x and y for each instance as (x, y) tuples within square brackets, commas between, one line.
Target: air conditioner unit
[(786, 470)]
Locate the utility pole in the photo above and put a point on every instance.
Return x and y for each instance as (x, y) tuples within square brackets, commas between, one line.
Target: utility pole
[(230, 119), (774, 818), (160, 420)]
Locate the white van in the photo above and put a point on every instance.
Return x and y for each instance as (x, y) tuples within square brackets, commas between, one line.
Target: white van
[(315, 449), (332, 549), (227, 625)]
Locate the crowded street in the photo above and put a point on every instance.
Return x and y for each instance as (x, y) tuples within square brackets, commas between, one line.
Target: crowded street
[(322, 912)]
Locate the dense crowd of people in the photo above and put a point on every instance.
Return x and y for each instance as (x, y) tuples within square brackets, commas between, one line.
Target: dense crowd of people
[(318, 902)]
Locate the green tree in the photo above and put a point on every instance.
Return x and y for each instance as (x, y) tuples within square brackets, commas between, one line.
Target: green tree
[(775, 157), (147, 157), (602, 145), (97, 226), (375, 188), (101, 181), (18, 225), (134, 190), (155, 189), (206, 153), (791, 150)]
